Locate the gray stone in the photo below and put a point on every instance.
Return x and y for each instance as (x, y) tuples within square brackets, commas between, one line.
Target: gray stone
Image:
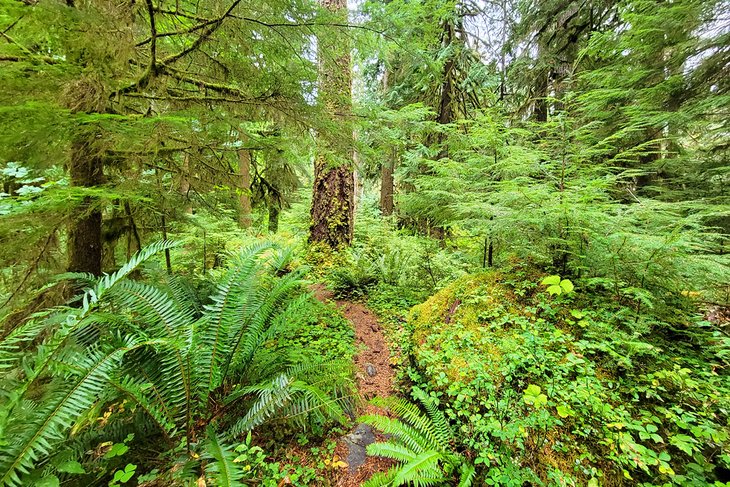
[(357, 441), (370, 369)]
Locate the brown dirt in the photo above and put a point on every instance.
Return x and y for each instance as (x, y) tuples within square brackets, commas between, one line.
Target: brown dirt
[(374, 351)]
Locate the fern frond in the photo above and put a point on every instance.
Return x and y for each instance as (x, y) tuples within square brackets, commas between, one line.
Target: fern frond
[(214, 330), (165, 372), (467, 474), (47, 427), (139, 393), (442, 429), (45, 354), (281, 259), (423, 470), (108, 281), (410, 414), (272, 398), (381, 479), (156, 310), (14, 342), (184, 295), (225, 471), (422, 444), (391, 450), (257, 318), (311, 401), (404, 433)]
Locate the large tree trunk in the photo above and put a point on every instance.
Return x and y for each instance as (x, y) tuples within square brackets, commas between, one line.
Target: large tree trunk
[(244, 198), (86, 170), (386, 185), (86, 95), (387, 182), (333, 193)]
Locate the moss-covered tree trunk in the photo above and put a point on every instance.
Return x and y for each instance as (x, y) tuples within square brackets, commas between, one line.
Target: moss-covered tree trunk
[(244, 198), (333, 192), (86, 98), (274, 211), (386, 185), (86, 170)]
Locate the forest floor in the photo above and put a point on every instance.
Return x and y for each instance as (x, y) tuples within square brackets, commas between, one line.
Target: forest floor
[(375, 378)]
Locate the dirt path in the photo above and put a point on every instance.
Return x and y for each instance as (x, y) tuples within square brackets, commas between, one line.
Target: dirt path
[(375, 377)]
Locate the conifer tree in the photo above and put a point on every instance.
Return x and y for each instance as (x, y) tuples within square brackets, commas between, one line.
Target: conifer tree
[(334, 185)]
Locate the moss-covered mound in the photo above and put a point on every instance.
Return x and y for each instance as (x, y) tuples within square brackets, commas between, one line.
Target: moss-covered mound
[(572, 389)]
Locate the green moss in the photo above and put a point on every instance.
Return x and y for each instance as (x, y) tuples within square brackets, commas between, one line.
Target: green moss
[(462, 302), (459, 310)]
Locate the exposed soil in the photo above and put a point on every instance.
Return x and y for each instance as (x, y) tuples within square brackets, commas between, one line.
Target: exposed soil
[(375, 378)]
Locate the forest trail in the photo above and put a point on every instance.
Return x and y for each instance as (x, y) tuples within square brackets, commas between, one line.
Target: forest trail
[(375, 377)]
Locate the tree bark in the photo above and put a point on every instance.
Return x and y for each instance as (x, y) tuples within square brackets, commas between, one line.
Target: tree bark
[(273, 218), (386, 185), (386, 170), (333, 193), (185, 184), (541, 106), (86, 170), (244, 198)]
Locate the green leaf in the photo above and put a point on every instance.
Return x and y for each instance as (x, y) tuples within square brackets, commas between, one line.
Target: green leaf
[(567, 285), (123, 476), (551, 280), (565, 411), (117, 450), (48, 481), (683, 442), (71, 467), (533, 397), (555, 289), (223, 469)]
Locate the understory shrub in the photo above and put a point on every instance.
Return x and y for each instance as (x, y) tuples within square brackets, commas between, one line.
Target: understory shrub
[(548, 386)]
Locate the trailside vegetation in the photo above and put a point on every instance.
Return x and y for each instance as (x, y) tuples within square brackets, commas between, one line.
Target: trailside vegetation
[(532, 196)]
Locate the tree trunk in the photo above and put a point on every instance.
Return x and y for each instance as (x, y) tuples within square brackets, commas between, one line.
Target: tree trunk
[(244, 198), (185, 184), (386, 185), (356, 185), (446, 113), (333, 192), (86, 170), (273, 218), (387, 182), (541, 107)]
